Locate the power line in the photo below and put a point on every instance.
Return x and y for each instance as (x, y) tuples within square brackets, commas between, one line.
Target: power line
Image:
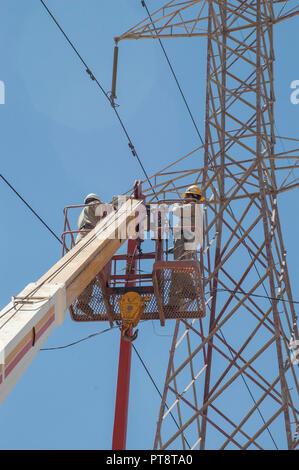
[(92, 76), (173, 73), (143, 3), (30, 208), (247, 387)]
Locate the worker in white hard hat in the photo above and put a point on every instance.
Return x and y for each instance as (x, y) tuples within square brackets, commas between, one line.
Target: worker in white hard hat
[(90, 216), (187, 238)]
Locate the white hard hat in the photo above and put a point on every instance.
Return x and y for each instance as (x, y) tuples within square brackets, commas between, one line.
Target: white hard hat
[(91, 197)]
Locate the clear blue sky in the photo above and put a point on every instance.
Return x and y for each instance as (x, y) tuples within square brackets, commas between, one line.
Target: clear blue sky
[(59, 141)]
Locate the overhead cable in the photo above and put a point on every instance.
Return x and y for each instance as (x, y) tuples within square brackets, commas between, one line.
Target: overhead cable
[(30, 208), (92, 76)]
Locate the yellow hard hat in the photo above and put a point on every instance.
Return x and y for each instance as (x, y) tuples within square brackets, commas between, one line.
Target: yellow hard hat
[(195, 190)]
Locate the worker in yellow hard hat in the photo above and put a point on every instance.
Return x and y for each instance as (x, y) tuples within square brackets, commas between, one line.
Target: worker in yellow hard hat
[(190, 223), (187, 238)]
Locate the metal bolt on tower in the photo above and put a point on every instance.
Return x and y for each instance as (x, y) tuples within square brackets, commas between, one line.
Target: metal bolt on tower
[(231, 379)]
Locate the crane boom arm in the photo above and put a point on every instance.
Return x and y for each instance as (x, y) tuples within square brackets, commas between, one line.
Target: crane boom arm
[(28, 320)]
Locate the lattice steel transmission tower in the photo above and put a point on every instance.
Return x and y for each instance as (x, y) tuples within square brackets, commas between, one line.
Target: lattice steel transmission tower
[(231, 378)]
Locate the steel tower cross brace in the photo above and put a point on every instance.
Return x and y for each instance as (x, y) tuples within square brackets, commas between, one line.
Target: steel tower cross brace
[(231, 379)]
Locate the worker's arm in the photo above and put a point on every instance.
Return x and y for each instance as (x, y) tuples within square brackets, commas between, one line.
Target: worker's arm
[(27, 321)]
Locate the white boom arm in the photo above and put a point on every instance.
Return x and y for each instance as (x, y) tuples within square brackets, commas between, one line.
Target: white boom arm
[(27, 322)]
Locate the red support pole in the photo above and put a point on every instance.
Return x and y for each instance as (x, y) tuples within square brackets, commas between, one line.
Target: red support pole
[(122, 396), (124, 369)]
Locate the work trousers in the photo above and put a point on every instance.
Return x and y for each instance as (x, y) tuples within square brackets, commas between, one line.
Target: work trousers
[(182, 285)]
